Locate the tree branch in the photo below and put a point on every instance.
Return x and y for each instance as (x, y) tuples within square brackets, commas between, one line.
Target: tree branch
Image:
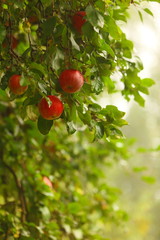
[(20, 192)]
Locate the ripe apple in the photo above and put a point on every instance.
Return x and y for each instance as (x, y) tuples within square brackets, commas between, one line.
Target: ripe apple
[(47, 181), (14, 85), (78, 20), (52, 111), (71, 80)]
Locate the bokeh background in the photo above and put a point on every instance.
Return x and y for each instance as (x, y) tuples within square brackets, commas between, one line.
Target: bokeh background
[(139, 176)]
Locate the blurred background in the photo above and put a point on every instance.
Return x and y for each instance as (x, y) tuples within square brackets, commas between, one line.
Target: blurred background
[(139, 176)]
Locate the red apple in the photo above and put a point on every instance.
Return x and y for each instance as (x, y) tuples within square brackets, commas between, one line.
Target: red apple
[(52, 111), (47, 181), (14, 85), (71, 80), (78, 20)]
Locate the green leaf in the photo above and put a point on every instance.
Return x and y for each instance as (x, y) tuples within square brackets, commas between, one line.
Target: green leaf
[(39, 67), (5, 79), (106, 47), (71, 128), (78, 233), (5, 6), (94, 17), (127, 43), (101, 5), (99, 131), (24, 80), (140, 15), (65, 37), (32, 100), (88, 30), (143, 89), (48, 26), (115, 133), (74, 44), (109, 83), (97, 85), (139, 169), (149, 179), (57, 59), (101, 60), (112, 112), (72, 113), (112, 28), (147, 82), (46, 3), (139, 63), (74, 207), (138, 98), (85, 117), (94, 107), (45, 213), (118, 15), (52, 225), (121, 122), (44, 125), (2, 33), (142, 150), (148, 11), (42, 87)]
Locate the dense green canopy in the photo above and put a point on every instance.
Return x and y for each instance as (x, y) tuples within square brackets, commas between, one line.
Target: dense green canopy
[(38, 41)]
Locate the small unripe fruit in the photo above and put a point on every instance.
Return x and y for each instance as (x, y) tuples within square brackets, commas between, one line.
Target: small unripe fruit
[(52, 110), (14, 85), (71, 80), (78, 20)]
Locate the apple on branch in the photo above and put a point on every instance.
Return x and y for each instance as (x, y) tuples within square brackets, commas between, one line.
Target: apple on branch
[(15, 86), (71, 80), (51, 109), (78, 20)]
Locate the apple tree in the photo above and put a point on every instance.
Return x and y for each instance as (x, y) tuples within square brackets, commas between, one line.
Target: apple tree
[(56, 58)]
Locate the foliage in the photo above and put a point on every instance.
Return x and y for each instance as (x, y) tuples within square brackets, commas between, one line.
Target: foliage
[(80, 194), (50, 44), (80, 201)]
